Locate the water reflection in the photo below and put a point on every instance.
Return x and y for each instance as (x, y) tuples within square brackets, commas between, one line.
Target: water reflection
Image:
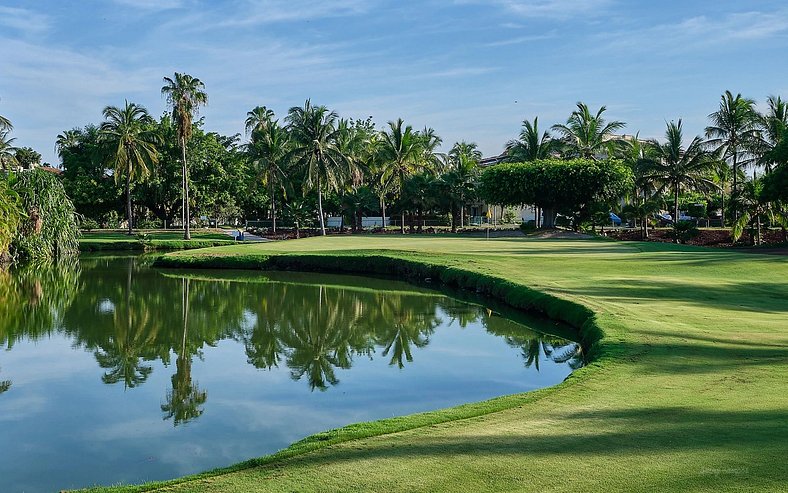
[(129, 316)]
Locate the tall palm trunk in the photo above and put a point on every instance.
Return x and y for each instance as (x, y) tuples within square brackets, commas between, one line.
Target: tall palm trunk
[(128, 198), (320, 208), (462, 216), (735, 184), (273, 212), (383, 211), (187, 235)]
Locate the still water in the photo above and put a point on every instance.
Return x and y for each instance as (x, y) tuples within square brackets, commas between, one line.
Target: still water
[(114, 372)]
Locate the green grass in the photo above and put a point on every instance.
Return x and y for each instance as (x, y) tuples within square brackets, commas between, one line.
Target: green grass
[(157, 240), (688, 390)]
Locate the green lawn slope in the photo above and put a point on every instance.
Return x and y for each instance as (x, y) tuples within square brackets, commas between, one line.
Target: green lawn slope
[(688, 390)]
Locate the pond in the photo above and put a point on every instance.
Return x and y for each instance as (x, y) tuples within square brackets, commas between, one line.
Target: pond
[(114, 372)]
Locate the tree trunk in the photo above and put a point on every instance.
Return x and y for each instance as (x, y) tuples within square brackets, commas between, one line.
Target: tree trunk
[(128, 199), (273, 213), (549, 217), (676, 204), (187, 235), (758, 231), (735, 184), (383, 211), (462, 217), (320, 208), (402, 223)]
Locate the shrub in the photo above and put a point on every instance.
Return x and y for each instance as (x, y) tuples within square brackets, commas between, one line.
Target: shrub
[(10, 216), (528, 226), (88, 224), (683, 231), (49, 228)]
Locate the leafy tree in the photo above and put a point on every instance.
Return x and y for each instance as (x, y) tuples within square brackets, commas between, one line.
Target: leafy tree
[(130, 144), (733, 132), (185, 94), (671, 166), (531, 146), (314, 135), (27, 158), (566, 186), (588, 135), (86, 178)]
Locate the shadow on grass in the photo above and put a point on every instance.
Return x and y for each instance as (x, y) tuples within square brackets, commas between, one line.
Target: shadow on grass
[(754, 439), (761, 297)]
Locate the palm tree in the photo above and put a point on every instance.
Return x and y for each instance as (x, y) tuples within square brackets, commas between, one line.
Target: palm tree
[(671, 166), (773, 126), (269, 150), (755, 206), (5, 124), (589, 135), (258, 119), (130, 143), (67, 140), (401, 150), (185, 94), (464, 158), (733, 131), (7, 150), (314, 135), (431, 159), (531, 146)]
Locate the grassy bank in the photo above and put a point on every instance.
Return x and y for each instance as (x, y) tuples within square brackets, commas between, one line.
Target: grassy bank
[(153, 240), (687, 390)]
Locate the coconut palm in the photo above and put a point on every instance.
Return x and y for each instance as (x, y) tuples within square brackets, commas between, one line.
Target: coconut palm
[(431, 159), (401, 151), (69, 139), (733, 132), (185, 94), (671, 166), (755, 207), (269, 151), (531, 145), (130, 143), (774, 128), (258, 119), (460, 180), (314, 134), (5, 124), (7, 150), (588, 135)]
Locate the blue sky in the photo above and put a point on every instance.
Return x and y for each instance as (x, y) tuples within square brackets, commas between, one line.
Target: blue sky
[(471, 69)]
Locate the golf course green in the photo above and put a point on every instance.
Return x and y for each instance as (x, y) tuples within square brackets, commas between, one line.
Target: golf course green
[(687, 388)]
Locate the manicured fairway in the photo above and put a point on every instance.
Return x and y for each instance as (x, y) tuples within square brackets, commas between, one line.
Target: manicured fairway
[(690, 394)]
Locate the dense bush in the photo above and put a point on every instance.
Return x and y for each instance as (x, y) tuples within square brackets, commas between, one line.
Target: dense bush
[(49, 227), (568, 187), (10, 216)]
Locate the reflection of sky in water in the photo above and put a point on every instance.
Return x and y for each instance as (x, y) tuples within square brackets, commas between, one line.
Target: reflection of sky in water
[(64, 428)]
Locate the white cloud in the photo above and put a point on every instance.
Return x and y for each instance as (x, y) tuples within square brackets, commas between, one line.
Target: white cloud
[(701, 32), (521, 40), (554, 9), (23, 20)]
